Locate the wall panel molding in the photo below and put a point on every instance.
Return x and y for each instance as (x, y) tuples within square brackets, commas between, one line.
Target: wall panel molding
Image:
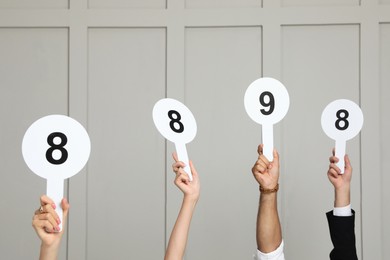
[(209, 51)]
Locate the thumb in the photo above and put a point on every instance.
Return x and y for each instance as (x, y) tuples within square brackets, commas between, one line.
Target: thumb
[(65, 209), (174, 156), (260, 149), (195, 175), (276, 157), (347, 162)]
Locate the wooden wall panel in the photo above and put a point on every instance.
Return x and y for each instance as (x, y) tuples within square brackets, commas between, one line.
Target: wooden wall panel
[(34, 4), (220, 64), (119, 4), (319, 64), (222, 3), (385, 130), (320, 2), (126, 177), (33, 84)]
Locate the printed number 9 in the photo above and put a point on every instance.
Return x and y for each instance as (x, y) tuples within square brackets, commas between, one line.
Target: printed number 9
[(60, 147), (270, 103), (175, 120)]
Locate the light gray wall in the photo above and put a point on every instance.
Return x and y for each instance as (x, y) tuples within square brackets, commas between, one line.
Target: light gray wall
[(384, 131), (33, 83), (320, 64), (106, 63)]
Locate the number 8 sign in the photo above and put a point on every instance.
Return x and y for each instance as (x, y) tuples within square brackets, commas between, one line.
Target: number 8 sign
[(177, 124), (341, 120), (56, 147)]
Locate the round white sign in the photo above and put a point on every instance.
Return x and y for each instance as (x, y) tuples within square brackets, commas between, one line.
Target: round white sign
[(342, 119), (56, 146), (174, 121), (266, 101)]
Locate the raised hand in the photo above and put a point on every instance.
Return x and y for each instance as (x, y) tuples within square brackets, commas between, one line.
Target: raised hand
[(190, 189), (265, 172), (340, 182), (45, 222)]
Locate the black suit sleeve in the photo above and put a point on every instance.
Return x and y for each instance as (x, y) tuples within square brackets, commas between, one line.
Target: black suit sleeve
[(342, 233)]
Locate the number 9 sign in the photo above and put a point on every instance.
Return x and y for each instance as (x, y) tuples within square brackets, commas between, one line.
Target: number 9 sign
[(56, 147), (177, 124), (341, 120), (266, 102)]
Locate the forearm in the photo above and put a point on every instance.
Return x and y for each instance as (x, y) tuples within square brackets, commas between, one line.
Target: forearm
[(268, 233), (49, 252), (178, 240), (342, 196)]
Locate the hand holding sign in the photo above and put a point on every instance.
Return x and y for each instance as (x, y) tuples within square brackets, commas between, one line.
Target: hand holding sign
[(56, 147), (177, 124), (266, 102), (341, 120)]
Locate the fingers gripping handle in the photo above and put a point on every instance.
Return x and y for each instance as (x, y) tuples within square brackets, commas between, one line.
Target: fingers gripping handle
[(340, 153), (55, 191), (182, 155), (268, 141)]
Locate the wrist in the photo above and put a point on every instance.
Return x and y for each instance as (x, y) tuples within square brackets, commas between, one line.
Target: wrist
[(270, 189), (49, 251), (192, 198), (342, 196), (268, 197), (50, 245), (343, 188)]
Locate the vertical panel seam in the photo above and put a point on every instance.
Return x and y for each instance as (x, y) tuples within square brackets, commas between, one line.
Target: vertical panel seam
[(360, 144), (165, 145)]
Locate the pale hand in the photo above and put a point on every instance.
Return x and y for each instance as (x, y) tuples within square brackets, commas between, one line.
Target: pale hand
[(190, 189)]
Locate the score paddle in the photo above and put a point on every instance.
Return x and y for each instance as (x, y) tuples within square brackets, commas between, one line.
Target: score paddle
[(177, 124), (341, 120), (56, 147), (266, 102)]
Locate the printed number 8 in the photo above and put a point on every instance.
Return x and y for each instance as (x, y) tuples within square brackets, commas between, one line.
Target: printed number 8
[(270, 103), (60, 147), (342, 119), (175, 120)]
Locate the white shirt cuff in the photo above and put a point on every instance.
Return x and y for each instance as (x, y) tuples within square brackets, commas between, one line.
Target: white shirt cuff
[(274, 255), (343, 211)]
